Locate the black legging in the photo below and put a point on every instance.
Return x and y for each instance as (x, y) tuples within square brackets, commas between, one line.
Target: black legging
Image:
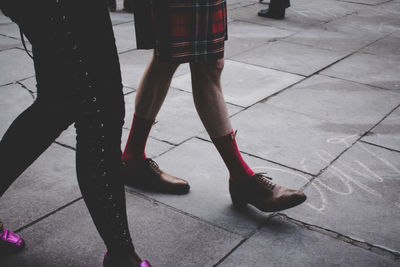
[(79, 81)]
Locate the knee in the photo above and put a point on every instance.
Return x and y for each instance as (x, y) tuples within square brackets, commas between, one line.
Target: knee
[(209, 70)]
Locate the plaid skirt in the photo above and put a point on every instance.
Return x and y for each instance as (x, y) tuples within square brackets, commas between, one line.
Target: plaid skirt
[(181, 30)]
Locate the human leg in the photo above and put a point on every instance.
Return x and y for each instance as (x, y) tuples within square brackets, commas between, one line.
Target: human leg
[(245, 185), (140, 170)]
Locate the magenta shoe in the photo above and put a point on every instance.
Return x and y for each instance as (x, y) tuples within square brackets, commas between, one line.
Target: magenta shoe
[(10, 241), (107, 262)]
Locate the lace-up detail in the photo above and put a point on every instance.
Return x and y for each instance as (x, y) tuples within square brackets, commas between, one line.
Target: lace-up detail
[(265, 181), (153, 165)]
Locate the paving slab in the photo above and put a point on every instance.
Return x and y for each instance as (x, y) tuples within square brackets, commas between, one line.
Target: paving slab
[(373, 21), (13, 100), (125, 36), (120, 16), (293, 21), (324, 10), (162, 236), (134, 64), (290, 57), (177, 120), (327, 37), (386, 133), (383, 74), (198, 162), (243, 36), (4, 19), (245, 84), (7, 43), (48, 184), (358, 196), (282, 243), (290, 138), (341, 102), (366, 2), (10, 30), (19, 66), (387, 46), (154, 148)]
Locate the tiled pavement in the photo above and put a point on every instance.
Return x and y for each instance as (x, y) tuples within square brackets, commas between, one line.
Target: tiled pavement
[(316, 100)]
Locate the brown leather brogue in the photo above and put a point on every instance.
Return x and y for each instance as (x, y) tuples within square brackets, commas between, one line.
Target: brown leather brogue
[(147, 175), (260, 192)]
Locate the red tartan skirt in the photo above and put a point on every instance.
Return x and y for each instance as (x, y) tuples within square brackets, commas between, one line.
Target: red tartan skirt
[(182, 30)]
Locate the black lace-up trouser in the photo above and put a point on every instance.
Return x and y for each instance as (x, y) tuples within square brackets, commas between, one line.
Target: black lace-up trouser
[(79, 81)]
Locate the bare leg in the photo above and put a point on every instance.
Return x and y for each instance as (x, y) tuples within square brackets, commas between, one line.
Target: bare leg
[(208, 97), (154, 88)]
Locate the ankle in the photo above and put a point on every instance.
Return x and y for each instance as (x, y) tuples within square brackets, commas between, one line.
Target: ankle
[(127, 157), (242, 178)]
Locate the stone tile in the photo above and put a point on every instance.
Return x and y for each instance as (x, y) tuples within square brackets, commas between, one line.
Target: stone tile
[(294, 58), (367, 22), (175, 239), (153, 147), (324, 10), (367, 2), (10, 30), (177, 120), (7, 43), (198, 162), (49, 183), (291, 138), (244, 36), (358, 196), (293, 21), (245, 84), (13, 100), (4, 19), (19, 66), (383, 74), (326, 37), (120, 16), (233, 4), (388, 46), (341, 102), (282, 243), (125, 37), (387, 132)]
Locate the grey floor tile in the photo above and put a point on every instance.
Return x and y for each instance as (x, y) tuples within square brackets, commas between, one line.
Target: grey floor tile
[(7, 43), (326, 37), (282, 243), (358, 196), (49, 183), (358, 68), (198, 162), (13, 100), (177, 119), (162, 236), (19, 66), (290, 57), (133, 65), (10, 30), (386, 133), (345, 103), (388, 46), (368, 2), (290, 138), (245, 84), (293, 21), (125, 36), (4, 19)]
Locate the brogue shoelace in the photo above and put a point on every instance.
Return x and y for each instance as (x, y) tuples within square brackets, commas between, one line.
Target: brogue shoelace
[(153, 165), (265, 181)]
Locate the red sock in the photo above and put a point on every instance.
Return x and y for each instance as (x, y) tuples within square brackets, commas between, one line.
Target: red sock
[(229, 151), (136, 144)]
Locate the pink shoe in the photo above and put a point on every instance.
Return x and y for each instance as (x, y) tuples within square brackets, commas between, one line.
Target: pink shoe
[(107, 262), (10, 241)]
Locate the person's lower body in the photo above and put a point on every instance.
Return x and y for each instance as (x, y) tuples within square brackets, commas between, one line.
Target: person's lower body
[(206, 66), (79, 81), (275, 10)]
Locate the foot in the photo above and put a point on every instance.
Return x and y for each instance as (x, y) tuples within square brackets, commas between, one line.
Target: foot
[(111, 262), (272, 14), (260, 192), (9, 241), (147, 175)]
